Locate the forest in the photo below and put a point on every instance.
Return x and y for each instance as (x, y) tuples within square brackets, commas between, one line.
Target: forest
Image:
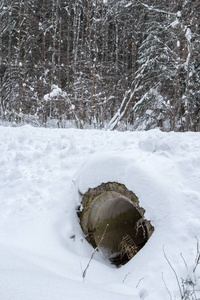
[(103, 64)]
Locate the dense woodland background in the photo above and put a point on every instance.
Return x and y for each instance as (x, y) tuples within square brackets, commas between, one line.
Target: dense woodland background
[(101, 64)]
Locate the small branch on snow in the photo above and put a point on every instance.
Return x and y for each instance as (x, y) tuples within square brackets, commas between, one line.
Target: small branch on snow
[(197, 260), (126, 277), (179, 286), (139, 282), (95, 250), (166, 287)]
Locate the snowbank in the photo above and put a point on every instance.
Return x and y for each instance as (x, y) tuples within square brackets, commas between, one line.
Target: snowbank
[(42, 248)]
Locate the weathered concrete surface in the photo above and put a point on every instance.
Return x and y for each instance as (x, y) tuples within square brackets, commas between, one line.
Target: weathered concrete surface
[(110, 213)]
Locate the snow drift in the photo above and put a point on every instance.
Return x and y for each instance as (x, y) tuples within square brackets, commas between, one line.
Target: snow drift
[(43, 252)]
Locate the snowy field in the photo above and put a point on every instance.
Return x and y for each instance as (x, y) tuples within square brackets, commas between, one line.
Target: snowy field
[(43, 252)]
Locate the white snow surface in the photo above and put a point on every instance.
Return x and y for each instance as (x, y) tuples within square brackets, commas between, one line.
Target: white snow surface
[(43, 252)]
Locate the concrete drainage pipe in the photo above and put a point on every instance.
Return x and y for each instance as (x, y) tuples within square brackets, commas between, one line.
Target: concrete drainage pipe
[(113, 221)]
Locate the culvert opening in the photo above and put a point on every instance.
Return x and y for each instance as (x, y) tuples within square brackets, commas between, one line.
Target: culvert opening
[(113, 221)]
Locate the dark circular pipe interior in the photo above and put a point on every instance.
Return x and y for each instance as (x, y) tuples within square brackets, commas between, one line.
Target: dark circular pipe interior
[(114, 222)]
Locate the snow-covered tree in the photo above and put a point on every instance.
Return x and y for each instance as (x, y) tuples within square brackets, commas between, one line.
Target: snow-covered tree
[(120, 62), (164, 91)]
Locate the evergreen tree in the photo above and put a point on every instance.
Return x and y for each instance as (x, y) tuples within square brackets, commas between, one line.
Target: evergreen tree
[(118, 64)]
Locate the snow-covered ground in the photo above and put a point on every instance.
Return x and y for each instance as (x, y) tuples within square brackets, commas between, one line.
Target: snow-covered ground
[(43, 252)]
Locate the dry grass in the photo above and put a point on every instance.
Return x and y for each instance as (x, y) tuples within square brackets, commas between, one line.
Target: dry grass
[(128, 247)]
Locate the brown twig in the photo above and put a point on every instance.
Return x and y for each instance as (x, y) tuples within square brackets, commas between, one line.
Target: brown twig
[(95, 250), (179, 286)]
